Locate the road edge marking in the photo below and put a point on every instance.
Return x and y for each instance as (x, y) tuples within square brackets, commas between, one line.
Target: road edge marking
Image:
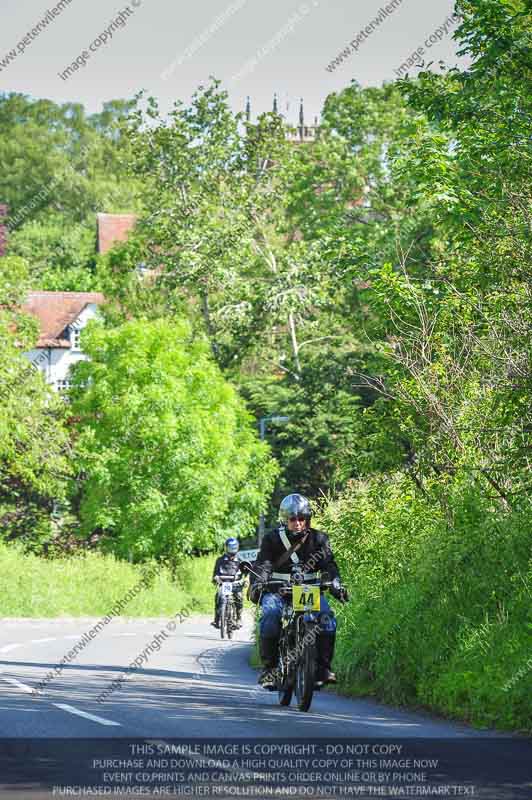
[(86, 715)]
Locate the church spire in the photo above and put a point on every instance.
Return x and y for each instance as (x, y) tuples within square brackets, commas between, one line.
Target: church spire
[(301, 129), (248, 109), (275, 105)]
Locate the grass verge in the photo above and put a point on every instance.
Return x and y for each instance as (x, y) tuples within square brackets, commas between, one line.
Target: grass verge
[(90, 585), (440, 612)]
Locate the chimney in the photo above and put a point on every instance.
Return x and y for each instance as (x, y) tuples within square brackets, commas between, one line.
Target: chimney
[(3, 229)]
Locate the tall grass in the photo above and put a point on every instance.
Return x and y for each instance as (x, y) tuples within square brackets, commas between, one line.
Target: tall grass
[(90, 585), (441, 590)]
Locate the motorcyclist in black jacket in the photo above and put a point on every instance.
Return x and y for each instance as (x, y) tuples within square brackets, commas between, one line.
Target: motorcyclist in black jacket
[(228, 565), (312, 555)]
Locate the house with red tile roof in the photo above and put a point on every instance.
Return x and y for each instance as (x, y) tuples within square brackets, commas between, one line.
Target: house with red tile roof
[(61, 317)]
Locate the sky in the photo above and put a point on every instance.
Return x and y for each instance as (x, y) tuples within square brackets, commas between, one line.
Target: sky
[(256, 48)]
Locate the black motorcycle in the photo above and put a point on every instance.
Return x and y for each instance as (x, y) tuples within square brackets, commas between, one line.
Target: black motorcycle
[(298, 642), (226, 604)]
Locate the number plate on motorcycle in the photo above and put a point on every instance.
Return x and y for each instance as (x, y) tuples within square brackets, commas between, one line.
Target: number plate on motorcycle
[(306, 598)]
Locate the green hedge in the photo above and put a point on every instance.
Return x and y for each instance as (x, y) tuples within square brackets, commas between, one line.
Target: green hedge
[(91, 584), (441, 588)]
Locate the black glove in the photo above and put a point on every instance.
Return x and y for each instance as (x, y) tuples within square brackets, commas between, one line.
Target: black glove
[(339, 592)]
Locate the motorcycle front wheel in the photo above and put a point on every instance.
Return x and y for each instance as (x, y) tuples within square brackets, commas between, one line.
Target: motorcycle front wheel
[(305, 676), (286, 689), (230, 619), (223, 619)]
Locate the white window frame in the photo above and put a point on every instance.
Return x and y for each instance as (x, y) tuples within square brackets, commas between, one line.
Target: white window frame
[(75, 336)]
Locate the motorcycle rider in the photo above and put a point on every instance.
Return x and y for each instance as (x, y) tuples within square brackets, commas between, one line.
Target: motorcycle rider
[(228, 565), (294, 544)]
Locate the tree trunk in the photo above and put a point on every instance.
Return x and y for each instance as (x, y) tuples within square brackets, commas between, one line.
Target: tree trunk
[(293, 338), (208, 324)]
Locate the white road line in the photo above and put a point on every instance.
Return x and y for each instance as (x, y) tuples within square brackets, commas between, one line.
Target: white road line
[(9, 647), (22, 686), (72, 710), (42, 641)]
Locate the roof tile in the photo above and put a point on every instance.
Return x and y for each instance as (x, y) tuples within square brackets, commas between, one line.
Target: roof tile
[(56, 310), (113, 228)]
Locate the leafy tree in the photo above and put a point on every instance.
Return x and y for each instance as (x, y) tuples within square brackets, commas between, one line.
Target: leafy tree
[(169, 462), (61, 168), (62, 254), (462, 335), (34, 445), (58, 159), (230, 237), (215, 206)]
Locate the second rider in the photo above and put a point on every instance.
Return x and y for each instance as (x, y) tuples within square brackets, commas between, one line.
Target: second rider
[(228, 565)]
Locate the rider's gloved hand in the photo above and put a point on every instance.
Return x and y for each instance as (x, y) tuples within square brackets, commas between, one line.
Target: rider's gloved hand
[(217, 580), (339, 591)]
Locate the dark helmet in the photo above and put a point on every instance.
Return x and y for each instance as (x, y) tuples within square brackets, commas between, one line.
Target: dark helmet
[(231, 546), (295, 505)]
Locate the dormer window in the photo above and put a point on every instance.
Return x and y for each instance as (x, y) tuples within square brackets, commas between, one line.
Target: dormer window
[(75, 338)]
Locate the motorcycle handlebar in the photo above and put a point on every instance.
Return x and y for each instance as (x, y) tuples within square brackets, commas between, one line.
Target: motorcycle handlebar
[(286, 589)]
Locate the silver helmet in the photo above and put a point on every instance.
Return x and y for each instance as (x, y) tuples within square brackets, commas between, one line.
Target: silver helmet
[(295, 505)]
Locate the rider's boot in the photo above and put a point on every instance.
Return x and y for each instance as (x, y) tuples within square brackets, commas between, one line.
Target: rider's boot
[(326, 643), (269, 648)]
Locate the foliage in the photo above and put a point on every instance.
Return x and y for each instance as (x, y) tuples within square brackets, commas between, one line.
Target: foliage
[(62, 255), (438, 556), (229, 233), (374, 287), (166, 451), (92, 583), (441, 587), (34, 448), (58, 159), (319, 446), (461, 336), (212, 225), (61, 167)]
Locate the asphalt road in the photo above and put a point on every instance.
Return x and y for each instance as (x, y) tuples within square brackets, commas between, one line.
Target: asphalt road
[(195, 686)]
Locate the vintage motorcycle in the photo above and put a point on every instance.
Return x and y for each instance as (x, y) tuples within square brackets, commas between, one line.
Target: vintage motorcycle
[(298, 642), (226, 604)]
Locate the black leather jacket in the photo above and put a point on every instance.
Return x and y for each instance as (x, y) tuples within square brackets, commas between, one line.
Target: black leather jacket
[(227, 565), (314, 555)]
